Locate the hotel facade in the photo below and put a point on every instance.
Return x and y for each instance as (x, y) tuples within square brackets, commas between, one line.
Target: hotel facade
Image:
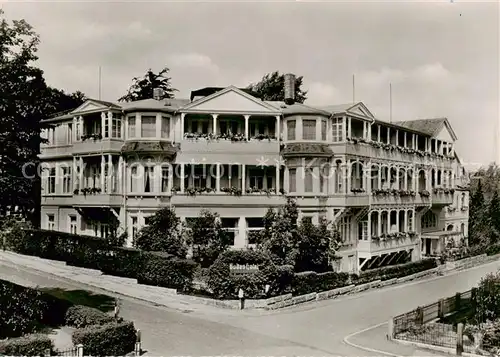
[(396, 191)]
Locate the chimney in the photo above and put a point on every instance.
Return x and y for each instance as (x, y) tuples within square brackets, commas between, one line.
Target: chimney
[(289, 88), (158, 93)]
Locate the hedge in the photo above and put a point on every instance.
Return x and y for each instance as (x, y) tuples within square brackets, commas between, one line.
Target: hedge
[(82, 316), (124, 262), (395, 271), (309, 282), (29, 345), (114, 339), (225, 285), (493, 249), (21, 311), (163, 269)]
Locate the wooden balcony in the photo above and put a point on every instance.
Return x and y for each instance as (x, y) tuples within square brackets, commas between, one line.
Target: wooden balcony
[(57, 151), (227, 200), (93, 146), (89, 200), (369, 248), (226, 151), (442, 199)]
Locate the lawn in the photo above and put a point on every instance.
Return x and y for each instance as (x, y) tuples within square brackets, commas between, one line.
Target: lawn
[(102, 302)]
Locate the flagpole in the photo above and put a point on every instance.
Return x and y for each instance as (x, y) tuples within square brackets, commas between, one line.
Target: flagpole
[(390, 101), (99, 82), (353, 90)]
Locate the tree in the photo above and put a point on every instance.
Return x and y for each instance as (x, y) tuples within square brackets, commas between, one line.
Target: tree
[(494, 216), (163, 233), (477, 217), (279, 237), (488, 298), (25, 101), (316, 246), (208, 237), (142, 88), (271, 87)]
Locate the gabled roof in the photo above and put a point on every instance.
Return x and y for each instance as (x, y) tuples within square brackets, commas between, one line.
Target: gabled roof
[(358, 108), (205, 92), (229, 89), (169, 105), (296, 108), (91, 105), (431, 127)]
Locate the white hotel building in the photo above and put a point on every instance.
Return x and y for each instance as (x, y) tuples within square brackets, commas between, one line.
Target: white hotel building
[(396, 191)]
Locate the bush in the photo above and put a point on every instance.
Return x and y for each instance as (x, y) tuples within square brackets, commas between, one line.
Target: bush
[(395, 271), (21, 310), (310, 282), (29, 345), (114, 339), (491, 339), (83, 316), (55, 310), (124, 262), (226, 285), (493, 249), (163, 269)]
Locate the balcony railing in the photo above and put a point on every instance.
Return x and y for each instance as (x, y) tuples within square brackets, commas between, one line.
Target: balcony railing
[(387, 243)]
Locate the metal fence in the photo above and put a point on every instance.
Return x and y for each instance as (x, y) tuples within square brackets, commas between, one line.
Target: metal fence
[(71, 352)]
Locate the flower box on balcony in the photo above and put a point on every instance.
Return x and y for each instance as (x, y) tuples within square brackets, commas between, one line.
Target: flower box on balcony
[(91, 136), (424, 193), (88, 191), (358, 190), (267, 191), (263, 137), (232, 191)]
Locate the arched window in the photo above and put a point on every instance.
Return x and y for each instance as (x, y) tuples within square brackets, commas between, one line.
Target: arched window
[(462, 228), (429, 220), (449, 228)]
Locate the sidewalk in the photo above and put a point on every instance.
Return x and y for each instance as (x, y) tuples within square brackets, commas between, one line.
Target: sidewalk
[(117, 285)]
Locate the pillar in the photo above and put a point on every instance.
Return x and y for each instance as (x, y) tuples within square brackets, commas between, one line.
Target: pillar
[(380, 167), (278, 129), (246, 126), (214, 125), (379, 223), (240, 239), (111, 176), (349, 177), (404, 139), (388, 135), (397, 137), (378, 133), (277, 184), (397, 220), (286, 179), (81, 172), (103, 123), (349, 133), (121, 178), (406, 220), (413, 218), (181, 131), (182, 178), (406, 180), (74, 178), (344, 128), (369, 225), (243, 178), (217, 178), (103, 165)]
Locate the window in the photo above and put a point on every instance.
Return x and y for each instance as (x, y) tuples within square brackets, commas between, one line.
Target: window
[(52, 181), (429, 220), (72, 224), (308, 180), (70, 133), (165, 127), (148, 179), (51, 222), (323, 180), (256, 179), (323, 130), (66, 174), (117, 128), (148, 127), (78, 130), (131, 127), (106, 128), (337, 126), (410, 221), (164, 179), (291, 129), (199, 177), (363, 230), (292, 173), (270, 181), (133, 179), (309, 129), (345, 229), (134, 226)]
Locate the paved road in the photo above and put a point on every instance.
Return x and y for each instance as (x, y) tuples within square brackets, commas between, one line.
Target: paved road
[(314, 330)]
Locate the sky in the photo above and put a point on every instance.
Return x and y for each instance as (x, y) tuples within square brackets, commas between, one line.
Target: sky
[(442, 57)]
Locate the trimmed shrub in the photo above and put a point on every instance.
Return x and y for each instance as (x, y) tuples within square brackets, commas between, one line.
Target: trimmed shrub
[(21, 311), (114, 339), (310, 282), (163, 269), (493, 249), (226, 285), (29, 345), (124, 262), (395, 271), (83, 316)]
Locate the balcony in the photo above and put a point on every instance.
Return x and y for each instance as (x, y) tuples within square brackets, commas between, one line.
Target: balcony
[(399, 197), (354, 200), (97, 145), (442, 196), (225, 150), (377, 246), (89, 200), (227, 199), (53, 151), (389, 152)]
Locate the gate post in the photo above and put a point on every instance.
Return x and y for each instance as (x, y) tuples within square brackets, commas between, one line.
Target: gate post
[(460, 339), (390, 329), (441, 308), (137, 349), (79, 350)]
